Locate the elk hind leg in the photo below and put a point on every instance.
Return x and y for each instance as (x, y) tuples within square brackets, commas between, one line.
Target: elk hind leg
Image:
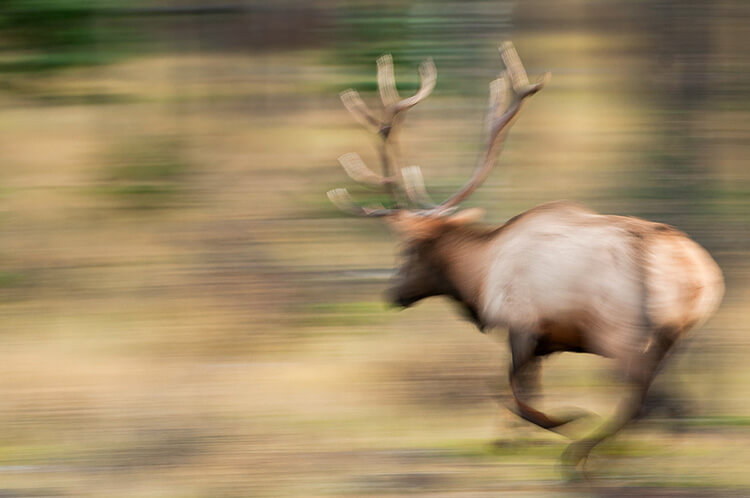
[(640, 373)]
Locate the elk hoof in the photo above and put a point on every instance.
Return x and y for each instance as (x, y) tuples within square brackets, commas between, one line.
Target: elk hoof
[(574, 458), (574, 475), (557, 424)]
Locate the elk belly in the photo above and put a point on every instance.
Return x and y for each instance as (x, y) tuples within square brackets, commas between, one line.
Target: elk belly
[(579, 282)]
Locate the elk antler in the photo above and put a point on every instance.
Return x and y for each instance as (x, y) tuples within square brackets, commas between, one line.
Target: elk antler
[(498, 124), (499, 120), (394, 107)]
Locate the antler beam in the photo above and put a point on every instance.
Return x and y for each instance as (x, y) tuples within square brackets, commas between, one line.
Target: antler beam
[(394, 107), (497, 123)]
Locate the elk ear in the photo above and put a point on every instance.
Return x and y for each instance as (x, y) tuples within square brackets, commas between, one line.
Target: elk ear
[(465, 217), (413, 226)]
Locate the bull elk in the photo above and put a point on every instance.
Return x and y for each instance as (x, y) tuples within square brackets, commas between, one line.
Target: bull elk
[(559, 277)]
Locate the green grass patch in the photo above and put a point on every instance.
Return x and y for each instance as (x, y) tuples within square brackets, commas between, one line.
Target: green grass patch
[(13, 279), (342, 314), (718, 421), (33, 453), (146, 173)]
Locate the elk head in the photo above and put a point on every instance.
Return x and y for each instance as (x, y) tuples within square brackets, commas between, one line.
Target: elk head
[(428, 228)]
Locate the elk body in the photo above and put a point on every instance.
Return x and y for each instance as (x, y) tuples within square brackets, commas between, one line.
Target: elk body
[(559, 277)]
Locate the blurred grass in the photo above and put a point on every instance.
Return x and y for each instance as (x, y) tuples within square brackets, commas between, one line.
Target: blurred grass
[(145, 172), (185, 314)]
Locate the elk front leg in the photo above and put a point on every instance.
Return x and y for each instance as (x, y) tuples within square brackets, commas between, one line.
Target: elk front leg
[(524, 380)]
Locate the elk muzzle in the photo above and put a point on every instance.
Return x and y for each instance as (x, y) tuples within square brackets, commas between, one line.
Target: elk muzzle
[(394, 297)]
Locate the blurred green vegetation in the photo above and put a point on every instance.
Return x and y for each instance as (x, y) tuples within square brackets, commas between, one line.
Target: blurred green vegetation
[(146, 172), (44, 35)]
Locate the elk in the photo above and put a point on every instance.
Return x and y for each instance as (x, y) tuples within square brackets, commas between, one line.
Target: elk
[(559, 277)]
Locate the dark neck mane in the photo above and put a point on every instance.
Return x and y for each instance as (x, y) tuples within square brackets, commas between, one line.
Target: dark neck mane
[(459, 254)]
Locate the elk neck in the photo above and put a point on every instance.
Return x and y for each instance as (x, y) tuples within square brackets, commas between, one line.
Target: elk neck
[(459, 254)]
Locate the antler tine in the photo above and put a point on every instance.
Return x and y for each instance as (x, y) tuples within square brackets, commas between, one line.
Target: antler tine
[(428, 79), (387, 81), (342, 200), (520, 80), (355, 105), (498, 124), (497, 100), (512, 62), (359, 172), (415, 188)]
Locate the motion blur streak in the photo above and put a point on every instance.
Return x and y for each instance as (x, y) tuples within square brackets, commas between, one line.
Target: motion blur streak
[(185, 314)]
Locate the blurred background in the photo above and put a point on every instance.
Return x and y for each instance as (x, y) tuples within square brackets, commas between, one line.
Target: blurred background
[(184, 313)]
